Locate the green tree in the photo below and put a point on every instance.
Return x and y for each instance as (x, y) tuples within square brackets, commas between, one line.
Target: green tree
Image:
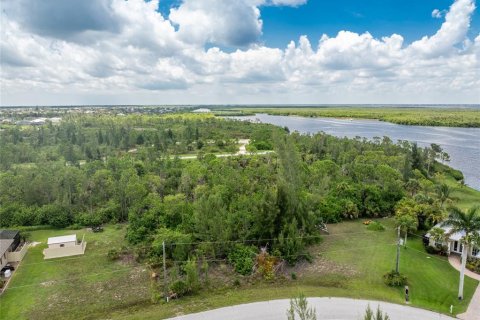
[(468, 222), (443, 192)]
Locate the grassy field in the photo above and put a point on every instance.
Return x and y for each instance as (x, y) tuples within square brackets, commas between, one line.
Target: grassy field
[(449, 117), (74, 287)]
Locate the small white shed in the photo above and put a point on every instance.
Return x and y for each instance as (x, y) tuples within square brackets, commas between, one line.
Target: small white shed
[(64, 246)]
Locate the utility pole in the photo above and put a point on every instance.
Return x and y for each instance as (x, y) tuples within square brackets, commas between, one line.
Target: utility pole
[(165, 283), (398, 249)]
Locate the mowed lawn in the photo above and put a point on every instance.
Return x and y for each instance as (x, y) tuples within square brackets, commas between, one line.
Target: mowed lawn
[(74, 287), (433, 283)]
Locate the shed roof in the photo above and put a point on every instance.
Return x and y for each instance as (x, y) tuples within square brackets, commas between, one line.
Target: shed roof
[(4, 245), (8, 234), (63, 239)]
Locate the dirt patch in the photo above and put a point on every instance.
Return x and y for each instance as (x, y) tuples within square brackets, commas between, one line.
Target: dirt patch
[(34, 244), (127, 259), (320, 265)]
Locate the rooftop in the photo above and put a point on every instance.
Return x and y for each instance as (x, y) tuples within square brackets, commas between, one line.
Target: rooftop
[(63, 239), (4, 245), (8, 234)]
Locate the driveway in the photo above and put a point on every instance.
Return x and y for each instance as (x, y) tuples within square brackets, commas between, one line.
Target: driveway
[(327, 309)]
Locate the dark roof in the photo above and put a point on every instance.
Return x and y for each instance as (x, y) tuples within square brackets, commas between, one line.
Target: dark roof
[(8, 234)]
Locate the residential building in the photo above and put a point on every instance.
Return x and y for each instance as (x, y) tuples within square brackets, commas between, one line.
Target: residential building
[(453, 242)]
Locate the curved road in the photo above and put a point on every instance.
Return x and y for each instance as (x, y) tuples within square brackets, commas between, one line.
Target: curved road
[(327, 309)]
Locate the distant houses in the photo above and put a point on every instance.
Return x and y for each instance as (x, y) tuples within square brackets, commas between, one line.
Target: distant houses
[(64, 246), (12, 248), (202, 110), (38, 121)]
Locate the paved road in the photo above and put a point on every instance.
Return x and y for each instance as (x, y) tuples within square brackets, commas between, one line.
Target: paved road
[(327, 309)]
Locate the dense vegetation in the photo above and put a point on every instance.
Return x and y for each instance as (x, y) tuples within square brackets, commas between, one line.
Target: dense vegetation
[(447, 117), (90, 170)]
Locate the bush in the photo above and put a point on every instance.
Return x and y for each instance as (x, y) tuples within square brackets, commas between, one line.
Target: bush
[(242, 258), (437, 250), (293, 276), (192, 279), (113, 254), (179, 288), (375, 226), (394, 279), (473, 264)]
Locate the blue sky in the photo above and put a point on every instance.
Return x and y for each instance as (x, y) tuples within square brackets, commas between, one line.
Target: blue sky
[(410, 18), (239, 51)]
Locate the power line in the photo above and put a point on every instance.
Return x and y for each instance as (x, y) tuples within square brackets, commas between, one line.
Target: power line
[(205, 242), (178, 261)]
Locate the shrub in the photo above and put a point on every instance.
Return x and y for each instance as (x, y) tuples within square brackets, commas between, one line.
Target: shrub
[(293, 276), (191, 272), (473, 264), (379, 315), (375, 226), (432, 250), (179, 288), (394, 279), (242, 258), (299, 306)]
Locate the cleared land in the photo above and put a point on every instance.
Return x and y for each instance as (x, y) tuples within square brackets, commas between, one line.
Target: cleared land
[(449, 117)]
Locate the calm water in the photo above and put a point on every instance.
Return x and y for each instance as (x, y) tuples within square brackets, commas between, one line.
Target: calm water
[(462, 144)]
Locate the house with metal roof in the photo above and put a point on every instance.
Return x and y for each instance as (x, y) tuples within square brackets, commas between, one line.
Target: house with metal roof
[(12, 249), (64, 246), (453, 241)]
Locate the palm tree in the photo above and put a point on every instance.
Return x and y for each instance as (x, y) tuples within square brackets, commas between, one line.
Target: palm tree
[(443, 193), (406, 223), (468, 222)]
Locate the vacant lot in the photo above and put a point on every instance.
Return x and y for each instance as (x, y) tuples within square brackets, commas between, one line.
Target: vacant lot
[(349, 262)]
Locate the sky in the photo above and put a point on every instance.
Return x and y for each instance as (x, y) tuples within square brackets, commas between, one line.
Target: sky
[(69, 52)]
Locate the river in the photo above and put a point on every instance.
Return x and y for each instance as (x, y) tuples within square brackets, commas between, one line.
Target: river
[(462, 144)]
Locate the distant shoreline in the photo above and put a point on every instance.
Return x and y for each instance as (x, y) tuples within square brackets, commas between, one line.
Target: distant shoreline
[(417, 116)]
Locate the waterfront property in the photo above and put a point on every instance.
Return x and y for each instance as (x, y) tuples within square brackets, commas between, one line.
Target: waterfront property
[(452, 241), (12, 248), (64, 246)]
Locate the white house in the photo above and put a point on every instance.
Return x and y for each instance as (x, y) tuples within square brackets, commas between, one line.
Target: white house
[(64, 246), (453, 242)]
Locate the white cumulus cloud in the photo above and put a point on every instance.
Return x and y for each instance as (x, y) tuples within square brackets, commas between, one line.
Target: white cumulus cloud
[(128, 52)]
